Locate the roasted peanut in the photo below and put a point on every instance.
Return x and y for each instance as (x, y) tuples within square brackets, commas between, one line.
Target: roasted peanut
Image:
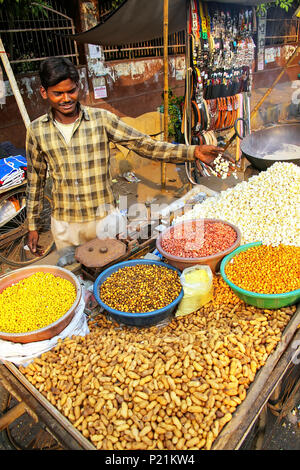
[(170, 388)]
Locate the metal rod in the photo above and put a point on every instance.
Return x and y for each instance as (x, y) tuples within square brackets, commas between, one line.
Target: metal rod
[(28, 30), (40, 58), (166, 86), (75, 43)]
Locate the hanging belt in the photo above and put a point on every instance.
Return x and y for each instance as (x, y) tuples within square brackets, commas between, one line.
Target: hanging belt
[(207, 115), (213, 112), (196, 117)]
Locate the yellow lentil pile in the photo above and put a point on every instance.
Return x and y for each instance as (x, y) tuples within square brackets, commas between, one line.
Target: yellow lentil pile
[(35, 302), (140, 288), (173, 387), (266, 269)]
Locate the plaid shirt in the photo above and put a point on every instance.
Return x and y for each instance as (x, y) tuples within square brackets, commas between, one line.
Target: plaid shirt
[(80, 171)]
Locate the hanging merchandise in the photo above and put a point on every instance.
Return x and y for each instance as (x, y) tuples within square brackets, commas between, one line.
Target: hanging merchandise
[(220, 69)]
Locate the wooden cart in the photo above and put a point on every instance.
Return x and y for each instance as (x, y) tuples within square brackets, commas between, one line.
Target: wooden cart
[(267, 380)]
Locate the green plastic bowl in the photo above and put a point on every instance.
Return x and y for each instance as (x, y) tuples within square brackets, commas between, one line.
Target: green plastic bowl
[(267, 301)]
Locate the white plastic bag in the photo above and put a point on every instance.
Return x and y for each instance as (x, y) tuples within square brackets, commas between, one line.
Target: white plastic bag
[(22, 354), (198, 291)]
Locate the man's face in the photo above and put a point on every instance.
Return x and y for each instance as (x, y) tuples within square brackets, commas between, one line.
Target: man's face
[(62, 98)]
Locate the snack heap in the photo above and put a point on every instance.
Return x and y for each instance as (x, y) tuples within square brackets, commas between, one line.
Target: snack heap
[(266, 208), (172, 387)]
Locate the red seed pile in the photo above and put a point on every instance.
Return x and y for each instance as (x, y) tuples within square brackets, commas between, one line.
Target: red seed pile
[(198, 239)]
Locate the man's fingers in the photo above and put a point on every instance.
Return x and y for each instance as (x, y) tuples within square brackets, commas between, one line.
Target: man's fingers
[(32, 247), (39, 250), (32, 241)]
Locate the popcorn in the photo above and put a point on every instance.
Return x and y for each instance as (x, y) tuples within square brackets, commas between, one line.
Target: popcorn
[(222, 168), (266, 208)]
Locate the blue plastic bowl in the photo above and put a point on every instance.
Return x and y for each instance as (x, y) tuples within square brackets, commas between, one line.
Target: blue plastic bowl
[(266, 301), (135, 319)]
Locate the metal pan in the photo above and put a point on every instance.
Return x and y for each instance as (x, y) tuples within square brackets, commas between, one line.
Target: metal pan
[(267, 141)]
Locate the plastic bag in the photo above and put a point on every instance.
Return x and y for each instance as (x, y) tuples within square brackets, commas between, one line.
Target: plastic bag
[(111, 225), (197, 283), (24, 353)]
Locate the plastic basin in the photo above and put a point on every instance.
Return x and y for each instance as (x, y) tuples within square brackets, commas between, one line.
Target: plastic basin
[(135, 319), (54, 328), (267, 301), (212, 261)]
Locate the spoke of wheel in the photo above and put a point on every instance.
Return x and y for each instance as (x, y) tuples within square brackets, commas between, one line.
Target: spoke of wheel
[(13, 252)]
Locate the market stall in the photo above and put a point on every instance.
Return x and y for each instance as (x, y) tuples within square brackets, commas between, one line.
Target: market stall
[(171, 358), (189, 380)]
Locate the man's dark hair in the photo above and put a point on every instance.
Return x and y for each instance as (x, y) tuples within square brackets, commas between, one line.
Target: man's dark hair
[(57, 69)]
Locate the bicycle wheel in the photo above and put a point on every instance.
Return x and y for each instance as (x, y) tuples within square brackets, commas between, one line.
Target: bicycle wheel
[(14, 231), (24, 433)]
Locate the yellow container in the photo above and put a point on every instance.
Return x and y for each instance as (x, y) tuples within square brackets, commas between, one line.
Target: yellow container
[(197, 283)]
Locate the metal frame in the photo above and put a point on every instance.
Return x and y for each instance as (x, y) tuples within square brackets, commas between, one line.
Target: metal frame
[(39, 27)]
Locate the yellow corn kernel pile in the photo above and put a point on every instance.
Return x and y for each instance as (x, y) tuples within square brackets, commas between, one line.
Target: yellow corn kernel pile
[(266, 269), (35, 302)]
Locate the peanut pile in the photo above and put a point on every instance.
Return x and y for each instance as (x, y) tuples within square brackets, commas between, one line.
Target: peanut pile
[(169, 387)]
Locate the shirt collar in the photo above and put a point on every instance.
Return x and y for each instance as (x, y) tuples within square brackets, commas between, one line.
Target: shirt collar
[(83, 113)]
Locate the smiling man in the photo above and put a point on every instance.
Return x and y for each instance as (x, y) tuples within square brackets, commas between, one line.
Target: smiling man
[(72, 141)]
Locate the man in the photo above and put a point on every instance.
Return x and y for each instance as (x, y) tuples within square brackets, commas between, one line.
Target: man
[(72, 142)]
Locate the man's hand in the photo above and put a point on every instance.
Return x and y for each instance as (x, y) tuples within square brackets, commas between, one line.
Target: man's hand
[(215, 161), (208, 153), (33, 238)]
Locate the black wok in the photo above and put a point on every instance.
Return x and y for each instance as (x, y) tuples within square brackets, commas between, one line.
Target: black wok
[(267, 141)]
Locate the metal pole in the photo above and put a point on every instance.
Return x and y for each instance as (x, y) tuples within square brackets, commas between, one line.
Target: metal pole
[(166, 87), (14, 85)]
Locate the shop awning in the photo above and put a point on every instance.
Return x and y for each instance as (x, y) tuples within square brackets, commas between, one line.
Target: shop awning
[(142, 20)]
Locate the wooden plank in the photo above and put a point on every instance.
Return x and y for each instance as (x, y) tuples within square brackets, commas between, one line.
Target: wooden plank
[(14, 85), (11, 415), (59, 426)]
